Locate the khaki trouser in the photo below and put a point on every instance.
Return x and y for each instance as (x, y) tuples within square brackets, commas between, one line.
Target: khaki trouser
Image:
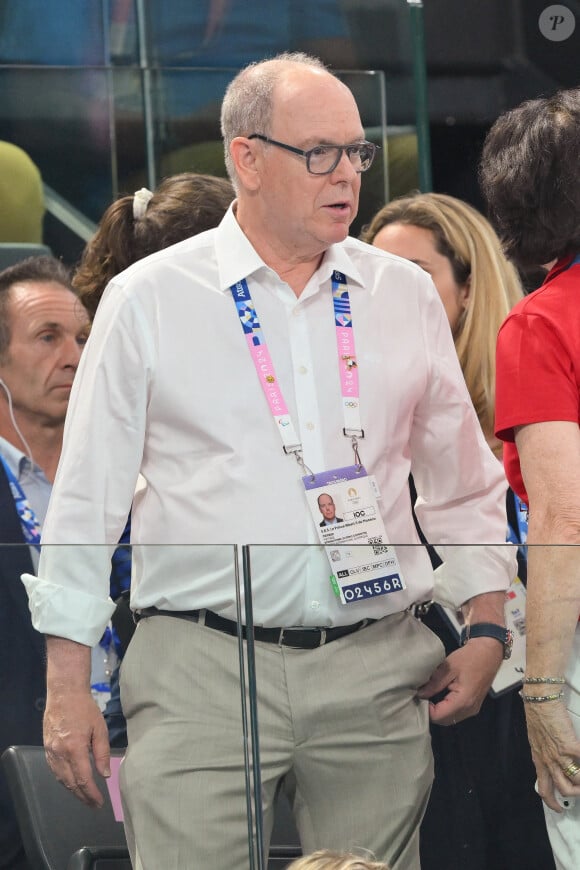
[(343, 717)]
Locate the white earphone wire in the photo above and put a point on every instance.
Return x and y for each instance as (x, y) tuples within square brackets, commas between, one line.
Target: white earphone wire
[(14, 423)]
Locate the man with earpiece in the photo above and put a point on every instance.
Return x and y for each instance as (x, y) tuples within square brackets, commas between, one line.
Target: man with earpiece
[(43, 328)]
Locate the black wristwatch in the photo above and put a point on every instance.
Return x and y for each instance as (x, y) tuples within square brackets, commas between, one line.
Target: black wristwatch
[(489, 629)]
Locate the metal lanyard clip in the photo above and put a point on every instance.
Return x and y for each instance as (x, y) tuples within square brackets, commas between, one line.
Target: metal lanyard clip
[(296, 450)]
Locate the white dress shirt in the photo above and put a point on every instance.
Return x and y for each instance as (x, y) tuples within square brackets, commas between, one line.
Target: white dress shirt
[(166, 387)]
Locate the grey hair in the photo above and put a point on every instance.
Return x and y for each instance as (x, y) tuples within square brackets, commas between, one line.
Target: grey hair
[(247, 104)]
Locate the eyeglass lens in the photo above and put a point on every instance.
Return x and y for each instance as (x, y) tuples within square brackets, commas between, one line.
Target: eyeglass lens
[(325, 158)]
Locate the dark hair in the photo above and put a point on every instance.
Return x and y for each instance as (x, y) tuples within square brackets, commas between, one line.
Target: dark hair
[(181, 206), (529, 177), (46, 269)]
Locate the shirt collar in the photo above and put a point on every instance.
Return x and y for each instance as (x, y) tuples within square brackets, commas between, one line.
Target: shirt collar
[(15, 458), (18, 461), (560, 266), (337, 258), (238, 259)]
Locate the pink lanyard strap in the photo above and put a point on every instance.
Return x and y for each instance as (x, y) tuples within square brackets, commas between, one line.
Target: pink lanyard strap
[(267, 376)]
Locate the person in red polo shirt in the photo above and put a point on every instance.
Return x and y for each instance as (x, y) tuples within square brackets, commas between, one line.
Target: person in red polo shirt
[(530, 178)]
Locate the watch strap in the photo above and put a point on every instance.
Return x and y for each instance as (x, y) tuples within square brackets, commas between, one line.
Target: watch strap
[(489, 629)]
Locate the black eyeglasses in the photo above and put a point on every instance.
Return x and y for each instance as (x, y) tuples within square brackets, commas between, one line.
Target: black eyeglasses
[(323, 159)]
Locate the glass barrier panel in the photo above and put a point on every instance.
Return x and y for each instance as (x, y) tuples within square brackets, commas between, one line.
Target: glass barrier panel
[(171, 671), (133, 93), (63, 118), (186, 135), (59, 33), (185, 690), (375, 35)]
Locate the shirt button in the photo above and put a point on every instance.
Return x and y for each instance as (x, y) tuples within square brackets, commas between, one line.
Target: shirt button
[(315, 605), (303, 370), (296, 312), (310, 426)]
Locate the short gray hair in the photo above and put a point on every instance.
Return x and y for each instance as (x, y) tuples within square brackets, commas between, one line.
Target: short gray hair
[(247, 104)]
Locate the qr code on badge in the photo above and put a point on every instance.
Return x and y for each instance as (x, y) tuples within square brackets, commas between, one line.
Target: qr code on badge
[(378, 551), (377, 540)]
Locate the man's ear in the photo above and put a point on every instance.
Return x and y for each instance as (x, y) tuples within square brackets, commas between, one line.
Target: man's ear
[(246, 159)]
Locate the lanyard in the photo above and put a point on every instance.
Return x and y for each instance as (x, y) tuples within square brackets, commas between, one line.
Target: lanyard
[(519, 536), (28, 521), (267, 377), (522, 519), (347, 364)]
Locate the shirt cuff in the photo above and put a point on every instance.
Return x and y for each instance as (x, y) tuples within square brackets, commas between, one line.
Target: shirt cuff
[(55, 610), (473, 570)]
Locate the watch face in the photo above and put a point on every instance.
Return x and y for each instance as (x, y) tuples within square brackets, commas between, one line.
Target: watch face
[(509, 644)]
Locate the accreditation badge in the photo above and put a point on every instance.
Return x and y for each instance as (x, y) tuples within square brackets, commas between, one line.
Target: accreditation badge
[(349, 525)]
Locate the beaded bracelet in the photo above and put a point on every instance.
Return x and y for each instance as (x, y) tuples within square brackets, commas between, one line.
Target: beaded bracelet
[(540, 699), (534, 681)]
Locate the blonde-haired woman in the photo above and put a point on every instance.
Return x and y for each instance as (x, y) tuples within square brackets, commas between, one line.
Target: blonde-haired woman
[(478, 286), (325, 859), (483, 811)]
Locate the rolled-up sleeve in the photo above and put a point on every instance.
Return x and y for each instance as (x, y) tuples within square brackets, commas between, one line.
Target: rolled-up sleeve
[(55, 609)]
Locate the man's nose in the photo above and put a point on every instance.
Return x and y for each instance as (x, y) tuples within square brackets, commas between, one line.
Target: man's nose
[(344, 169), (71, 353)]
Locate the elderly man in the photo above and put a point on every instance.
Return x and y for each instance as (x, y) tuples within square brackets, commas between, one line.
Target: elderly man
[(272, 401), (43, 328)]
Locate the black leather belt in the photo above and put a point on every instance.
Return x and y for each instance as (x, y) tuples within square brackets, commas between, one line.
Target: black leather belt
[(299, 638)]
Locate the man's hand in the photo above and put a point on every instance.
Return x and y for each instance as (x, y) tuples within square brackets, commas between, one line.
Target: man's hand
[(74, 727), (466, 675)]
